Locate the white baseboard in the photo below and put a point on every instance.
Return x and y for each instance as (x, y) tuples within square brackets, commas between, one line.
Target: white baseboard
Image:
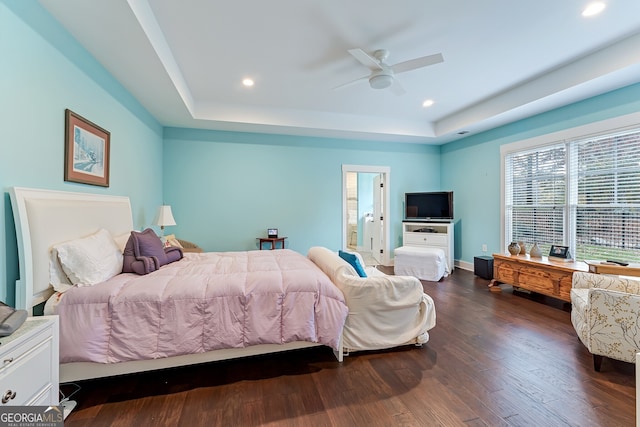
[(463, 265)]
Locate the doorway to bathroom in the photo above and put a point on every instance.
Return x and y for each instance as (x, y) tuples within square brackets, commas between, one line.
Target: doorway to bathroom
[(365, 209)]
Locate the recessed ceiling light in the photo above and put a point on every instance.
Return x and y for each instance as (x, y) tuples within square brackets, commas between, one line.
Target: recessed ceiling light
[(428, 103), (593, 9), (247, 82)]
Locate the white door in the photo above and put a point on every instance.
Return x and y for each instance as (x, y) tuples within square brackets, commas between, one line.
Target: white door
[(378, 218), (380, 229)]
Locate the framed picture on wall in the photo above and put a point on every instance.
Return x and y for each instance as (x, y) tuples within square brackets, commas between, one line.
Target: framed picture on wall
[(86, 151)]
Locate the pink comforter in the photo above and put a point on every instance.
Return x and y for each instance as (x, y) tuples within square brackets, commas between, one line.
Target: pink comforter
[(204, 302)]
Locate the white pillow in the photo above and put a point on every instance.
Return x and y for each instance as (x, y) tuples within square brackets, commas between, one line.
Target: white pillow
[(122, 240), (57, 277), (90, 260)]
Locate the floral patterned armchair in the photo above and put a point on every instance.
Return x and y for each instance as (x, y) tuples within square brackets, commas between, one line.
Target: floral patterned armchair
[(606, 315)]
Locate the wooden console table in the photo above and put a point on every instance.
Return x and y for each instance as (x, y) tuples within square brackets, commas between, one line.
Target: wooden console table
[(552, 278)]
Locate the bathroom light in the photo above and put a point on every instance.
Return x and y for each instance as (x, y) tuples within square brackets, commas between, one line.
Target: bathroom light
[(247, 82), (428, 103)]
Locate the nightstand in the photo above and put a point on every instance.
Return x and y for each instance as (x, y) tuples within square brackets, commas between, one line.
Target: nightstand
[(29, 363)]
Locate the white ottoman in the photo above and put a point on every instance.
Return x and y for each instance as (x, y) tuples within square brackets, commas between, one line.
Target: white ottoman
[(424, 263)]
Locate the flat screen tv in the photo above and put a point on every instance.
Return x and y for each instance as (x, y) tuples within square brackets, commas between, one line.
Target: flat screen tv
[(431, 206)]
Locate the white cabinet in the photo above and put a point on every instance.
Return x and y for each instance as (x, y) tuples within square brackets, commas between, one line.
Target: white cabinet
[(29, 363), (430, 235)]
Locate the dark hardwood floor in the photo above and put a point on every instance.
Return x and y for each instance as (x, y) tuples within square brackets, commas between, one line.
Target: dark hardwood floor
[(494, 359)]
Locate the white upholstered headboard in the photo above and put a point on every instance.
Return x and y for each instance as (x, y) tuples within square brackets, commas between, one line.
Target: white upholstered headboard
[(44, 218)]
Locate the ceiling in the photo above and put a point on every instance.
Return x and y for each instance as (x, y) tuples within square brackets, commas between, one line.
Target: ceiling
[(504, 60)]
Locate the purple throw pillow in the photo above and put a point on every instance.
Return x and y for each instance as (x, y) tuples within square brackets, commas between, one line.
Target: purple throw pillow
[(150, 245), (143, 253)]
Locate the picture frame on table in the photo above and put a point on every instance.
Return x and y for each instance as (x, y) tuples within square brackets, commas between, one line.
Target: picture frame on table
[(557, 251), (86, 151)]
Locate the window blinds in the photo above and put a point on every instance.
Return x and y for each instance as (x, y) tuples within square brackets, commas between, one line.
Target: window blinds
[(607, 196), (582, 193), (535, 201)]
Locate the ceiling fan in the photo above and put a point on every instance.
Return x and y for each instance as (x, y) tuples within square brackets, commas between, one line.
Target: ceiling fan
[(383, 75)]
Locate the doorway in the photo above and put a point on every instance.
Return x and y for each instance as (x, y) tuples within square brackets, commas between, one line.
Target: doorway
[(365, 222)]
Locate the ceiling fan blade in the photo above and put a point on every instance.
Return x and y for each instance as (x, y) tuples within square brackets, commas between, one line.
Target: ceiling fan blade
[(417, 63), (352, 82), (365, 59), (397, 88)]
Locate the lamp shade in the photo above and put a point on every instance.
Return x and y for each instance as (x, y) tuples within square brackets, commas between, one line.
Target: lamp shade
[(164, 216)]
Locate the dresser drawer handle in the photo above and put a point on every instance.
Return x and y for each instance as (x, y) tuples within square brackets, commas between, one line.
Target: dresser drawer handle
[(7, 361), (8, 395)]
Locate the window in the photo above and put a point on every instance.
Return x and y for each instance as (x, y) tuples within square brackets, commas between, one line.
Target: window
[(535, 201), (607, 199), (581, 192)]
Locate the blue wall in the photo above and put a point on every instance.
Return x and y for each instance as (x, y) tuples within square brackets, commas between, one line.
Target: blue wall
[(43, 72), (471, 166), (227, 188)]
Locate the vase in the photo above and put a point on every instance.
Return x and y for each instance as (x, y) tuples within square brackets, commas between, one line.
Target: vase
[(523, 248), (535, 251), (514, 248)]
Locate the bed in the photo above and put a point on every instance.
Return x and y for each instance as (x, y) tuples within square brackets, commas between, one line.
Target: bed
[(270, 301)]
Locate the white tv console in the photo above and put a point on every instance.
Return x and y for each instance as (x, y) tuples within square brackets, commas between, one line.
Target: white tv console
[(434, 235)]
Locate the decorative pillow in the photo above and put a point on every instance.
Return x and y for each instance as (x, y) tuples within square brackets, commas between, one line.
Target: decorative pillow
[(172, 241), (145, 253), (173, 254), (90, 260), (149, 244), (57, 277), (354, 261)]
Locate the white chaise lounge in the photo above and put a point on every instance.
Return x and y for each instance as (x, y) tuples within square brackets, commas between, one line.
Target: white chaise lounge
[(384, 311)]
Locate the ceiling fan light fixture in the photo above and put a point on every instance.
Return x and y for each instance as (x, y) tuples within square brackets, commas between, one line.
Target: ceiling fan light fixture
[(381, 81)]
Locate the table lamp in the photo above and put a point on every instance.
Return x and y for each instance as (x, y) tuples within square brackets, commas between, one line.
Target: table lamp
[(164, 217)]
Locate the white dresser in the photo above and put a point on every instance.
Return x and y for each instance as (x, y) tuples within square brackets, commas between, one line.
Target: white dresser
[(29, 363), (430, 235)]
